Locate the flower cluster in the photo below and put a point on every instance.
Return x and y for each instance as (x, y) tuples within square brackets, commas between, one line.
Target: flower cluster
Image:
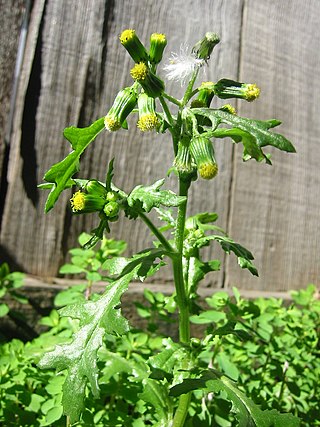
[(146, 88), (194, 153), (94, 197)]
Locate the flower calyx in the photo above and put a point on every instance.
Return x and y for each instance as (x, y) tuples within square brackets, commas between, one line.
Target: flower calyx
[(205, 95), (226, 88), (131, 42), (204, 47), (123, 104), (94, 197), (183, 161), (202, 152), (152, 84), (148, 119), (158, 42)]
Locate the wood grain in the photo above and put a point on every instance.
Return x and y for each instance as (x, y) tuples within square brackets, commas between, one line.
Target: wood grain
[(275, 210), (78, 67)]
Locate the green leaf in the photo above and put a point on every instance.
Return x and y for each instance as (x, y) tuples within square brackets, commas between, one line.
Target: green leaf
[(254, 134), (197, 270), (54, 414), (4, 310), (156, 394), (109, 175), (244, 256), (146, 198), (79, 356), (59, 174), (247, 413), (145, 261), (71, 269), (208, 316)]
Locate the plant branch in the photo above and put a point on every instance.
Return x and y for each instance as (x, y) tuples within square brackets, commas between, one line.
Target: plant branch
[(162, 239), (171, 99), (166, 111)]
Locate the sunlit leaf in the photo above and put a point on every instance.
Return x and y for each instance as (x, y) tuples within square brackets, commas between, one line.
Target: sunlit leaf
[(59, 174)]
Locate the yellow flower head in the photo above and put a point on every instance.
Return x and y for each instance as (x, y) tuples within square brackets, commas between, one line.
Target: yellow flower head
[(131, 42), (77, 201), (148, 122), (228, 108), (158, 37), (111, 124), (252, 92), (158, 43), (126, 36), (207, 85), (208, 170), (139, 71)]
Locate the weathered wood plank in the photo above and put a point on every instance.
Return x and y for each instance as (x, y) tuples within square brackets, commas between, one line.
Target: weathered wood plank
[(10, 23), (82, 67), (275, 210)]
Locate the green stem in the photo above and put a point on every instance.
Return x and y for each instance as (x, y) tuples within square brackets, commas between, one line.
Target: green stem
[(157, 233), (182, 298), (166, 111), (188, 94), (182, 410), (171, 99)]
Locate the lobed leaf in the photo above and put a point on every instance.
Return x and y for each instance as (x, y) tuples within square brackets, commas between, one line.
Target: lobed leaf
[(244, 256), (60, 174), (79, 356), (247, 412), (254, 134), (149, 197)]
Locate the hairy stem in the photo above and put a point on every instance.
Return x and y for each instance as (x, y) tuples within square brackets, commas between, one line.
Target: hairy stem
[(182, 297)]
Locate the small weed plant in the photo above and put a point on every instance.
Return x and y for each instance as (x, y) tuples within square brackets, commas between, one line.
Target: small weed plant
[(260, 344), (110, 376)]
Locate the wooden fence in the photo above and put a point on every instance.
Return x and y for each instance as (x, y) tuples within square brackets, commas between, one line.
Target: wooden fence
[(72, 67)]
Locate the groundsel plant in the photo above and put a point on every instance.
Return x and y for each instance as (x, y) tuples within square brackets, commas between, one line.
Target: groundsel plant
[(175, 388)]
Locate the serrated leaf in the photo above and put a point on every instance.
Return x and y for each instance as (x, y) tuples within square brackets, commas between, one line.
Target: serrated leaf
[(247, 412), (149, 197), (156, 394), (244, 256), (197, 270), (254, 134), (60, 173), (79, 356)]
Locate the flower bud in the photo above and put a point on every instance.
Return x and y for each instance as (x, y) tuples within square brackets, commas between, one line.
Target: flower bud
[(148, 119), (202, 152), (122, 106), (94, 187), (183, 161), (133, 45), (157, 44), (112, 196), (205, 95), (151, 84), (225, 89), (111, 209), (85, 203), (228, 108), (204, 47)]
